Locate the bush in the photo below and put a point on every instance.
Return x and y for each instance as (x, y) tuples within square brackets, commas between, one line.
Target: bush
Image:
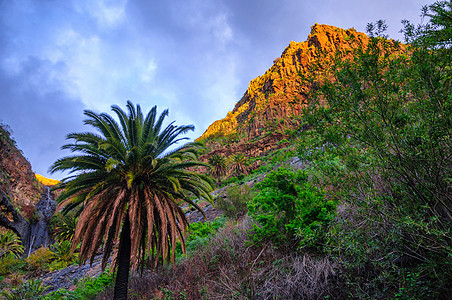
[(40, 260), (231, 180), (30, 290), (289, 211), (86, 289), (282, 141), (263, 169), (10, 263), (235, 203), (199, 234), (386, 112), (204, 229), (10, 243), (63, 256)]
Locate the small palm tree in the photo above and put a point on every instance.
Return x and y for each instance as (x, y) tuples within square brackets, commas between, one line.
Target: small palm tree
[(10, 243), (63, 256), (126, 186), (66, 229), (218, 163), (239, 164)]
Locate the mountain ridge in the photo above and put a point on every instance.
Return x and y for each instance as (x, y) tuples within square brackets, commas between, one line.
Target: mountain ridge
[(272, 99)]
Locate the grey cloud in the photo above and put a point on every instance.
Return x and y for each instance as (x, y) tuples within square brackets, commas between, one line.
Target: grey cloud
[(39, 113)]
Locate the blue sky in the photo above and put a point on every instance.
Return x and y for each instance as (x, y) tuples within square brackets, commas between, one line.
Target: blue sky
[(59, 57)]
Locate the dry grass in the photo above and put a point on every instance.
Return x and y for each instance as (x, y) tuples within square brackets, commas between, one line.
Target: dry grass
[(228, 268)]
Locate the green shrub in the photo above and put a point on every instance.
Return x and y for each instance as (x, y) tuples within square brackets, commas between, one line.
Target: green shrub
[(90, 287), (235, 203), (204, 229), (63, 256), (30, 290), (200, 233), (289, 211), (86, 289), (10, 263), (282, 141), (232, 179), (40, 260), (10, 243), (263, 169)]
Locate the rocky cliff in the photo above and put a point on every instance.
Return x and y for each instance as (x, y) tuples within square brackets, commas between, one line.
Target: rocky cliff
[(17, 179), (26, 203), (273, 100)]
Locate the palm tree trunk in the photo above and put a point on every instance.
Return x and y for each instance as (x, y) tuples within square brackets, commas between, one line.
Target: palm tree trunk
[(122, 276)]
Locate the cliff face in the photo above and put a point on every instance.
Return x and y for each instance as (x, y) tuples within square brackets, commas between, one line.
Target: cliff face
[(271, 100), (26, 203), (17, 179)]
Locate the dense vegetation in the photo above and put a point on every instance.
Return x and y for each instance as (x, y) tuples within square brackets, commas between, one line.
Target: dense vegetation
[(381, 136)]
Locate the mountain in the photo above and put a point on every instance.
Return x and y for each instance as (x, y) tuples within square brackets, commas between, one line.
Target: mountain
[(273, 100)]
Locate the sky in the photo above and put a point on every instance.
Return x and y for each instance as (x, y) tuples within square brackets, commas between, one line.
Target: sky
[(194, 57)]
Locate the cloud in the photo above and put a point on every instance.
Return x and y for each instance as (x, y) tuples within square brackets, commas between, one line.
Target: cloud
[(39, 113), (107, 13)]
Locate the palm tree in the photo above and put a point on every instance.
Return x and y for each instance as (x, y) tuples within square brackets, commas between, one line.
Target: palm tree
[(239, 164), (126, 184), (10, 243), (218, 163)]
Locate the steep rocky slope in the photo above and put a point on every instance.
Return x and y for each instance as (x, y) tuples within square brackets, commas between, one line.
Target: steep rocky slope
[(26, 204), (273, 100), (17, 179)]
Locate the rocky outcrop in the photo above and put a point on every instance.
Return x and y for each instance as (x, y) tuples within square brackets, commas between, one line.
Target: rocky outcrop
[(34, 232), (17, 179), (248, 148), (46, 181), (26, 205), (273, 100), (39, 230)]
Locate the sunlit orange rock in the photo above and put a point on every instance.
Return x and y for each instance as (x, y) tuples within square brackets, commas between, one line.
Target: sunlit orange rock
[(46, 181), (273, 98)]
